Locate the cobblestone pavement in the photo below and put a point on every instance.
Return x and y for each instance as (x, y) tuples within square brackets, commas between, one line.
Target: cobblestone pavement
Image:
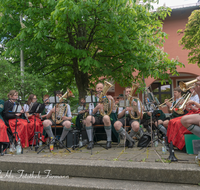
[(116, 153)]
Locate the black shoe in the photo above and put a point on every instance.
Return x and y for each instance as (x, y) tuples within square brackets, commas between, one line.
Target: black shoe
[(108, 145), (61, 144), (131, 144), (90, 145)]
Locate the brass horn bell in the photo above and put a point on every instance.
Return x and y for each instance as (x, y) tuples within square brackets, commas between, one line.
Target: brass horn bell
[(184, 86)]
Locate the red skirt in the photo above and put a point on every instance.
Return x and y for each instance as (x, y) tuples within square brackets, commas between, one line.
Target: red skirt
[(3, 133), (35, 125), (176, 131), (21, 129)]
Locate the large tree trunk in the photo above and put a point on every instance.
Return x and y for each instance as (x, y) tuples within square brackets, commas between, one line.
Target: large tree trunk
[(82, 80)]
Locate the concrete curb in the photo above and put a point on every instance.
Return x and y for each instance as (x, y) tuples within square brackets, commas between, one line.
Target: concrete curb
[(117, 170)]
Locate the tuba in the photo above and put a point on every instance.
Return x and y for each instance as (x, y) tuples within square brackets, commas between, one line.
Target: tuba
[(131, 98), (107, 103), (62, 109)]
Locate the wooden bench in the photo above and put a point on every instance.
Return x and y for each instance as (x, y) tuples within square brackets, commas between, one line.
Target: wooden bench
[(58, 126)]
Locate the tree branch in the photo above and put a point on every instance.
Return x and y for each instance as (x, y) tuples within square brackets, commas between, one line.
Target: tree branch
[(56, 69)]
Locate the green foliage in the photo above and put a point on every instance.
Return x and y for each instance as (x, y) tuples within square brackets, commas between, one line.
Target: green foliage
[(163, 160), (191, 38), (73, 43), (11, 79), (74, 120)]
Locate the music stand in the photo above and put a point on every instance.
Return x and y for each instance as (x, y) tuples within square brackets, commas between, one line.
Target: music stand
[(16, 109), (36, 108), (55, 101)]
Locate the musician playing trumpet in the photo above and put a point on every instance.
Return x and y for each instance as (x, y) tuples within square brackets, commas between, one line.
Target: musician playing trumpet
[(177, 97)]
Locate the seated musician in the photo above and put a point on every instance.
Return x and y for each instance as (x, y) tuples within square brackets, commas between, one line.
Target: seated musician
[(135, 125), (31, 100), (119, 98), (94, 109), (194, 96), (192, 122), (148, 110), (3, 128), (176, 129), (66, 123), (35, 124), (11, 118), (48, 106), (82, 113), (177, 97)]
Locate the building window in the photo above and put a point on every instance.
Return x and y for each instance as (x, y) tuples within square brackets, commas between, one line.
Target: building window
[(162, 92)]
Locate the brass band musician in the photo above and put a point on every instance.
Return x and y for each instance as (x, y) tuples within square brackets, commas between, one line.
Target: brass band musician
[(135, 125), (66, 123), (97, 118)]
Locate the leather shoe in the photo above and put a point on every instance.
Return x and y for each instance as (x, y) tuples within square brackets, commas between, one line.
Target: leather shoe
[(131, 144), (61, 145), (90, 145), (108, 145)]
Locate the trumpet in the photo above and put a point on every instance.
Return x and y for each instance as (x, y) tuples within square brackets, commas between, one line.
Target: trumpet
[(187, 85), (170, 100)]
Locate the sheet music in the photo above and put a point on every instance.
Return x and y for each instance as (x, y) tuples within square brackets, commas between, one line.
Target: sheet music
[(89, 100), (17, 108), (52, 100)]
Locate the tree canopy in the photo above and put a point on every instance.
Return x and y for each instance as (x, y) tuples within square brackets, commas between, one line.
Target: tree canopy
[(191, 38), (74, 42), (11, 79)]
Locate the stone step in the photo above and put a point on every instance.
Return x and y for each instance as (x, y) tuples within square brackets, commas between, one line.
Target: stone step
[(115, 170), (13, 181)]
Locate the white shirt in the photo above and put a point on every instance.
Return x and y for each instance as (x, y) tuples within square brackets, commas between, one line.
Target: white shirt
[(48, 108), (26, 107), (91, 107), (127, 112), (69, 114), (195, 98)]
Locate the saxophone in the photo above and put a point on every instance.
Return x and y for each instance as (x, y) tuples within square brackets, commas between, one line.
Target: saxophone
[(131, 99), (107, 103), (62, 109)]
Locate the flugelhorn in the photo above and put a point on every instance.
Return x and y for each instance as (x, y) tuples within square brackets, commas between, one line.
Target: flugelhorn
[(184, 86)]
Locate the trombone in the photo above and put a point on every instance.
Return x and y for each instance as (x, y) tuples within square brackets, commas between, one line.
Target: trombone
[(177, 104), (170, 100), (184, 86)]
